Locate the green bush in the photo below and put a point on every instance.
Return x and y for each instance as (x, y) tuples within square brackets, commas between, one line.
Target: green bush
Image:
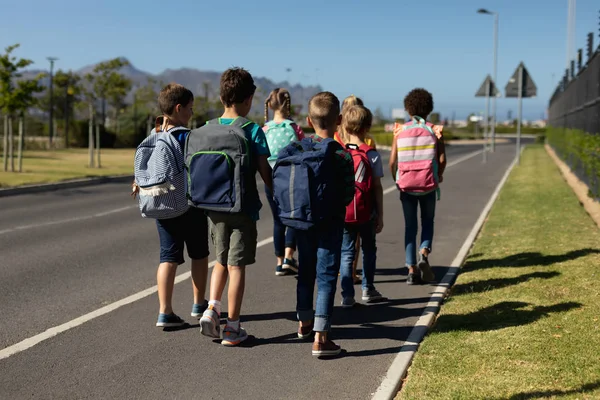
[(580, 150)]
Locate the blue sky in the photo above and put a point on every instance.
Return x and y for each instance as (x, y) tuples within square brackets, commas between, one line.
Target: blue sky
[(376, 49)]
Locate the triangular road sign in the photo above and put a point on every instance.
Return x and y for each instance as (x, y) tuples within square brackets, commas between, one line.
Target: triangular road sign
[(483, 89), (512, 87)]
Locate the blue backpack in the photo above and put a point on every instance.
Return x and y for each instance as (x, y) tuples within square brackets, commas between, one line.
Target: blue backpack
[(304, 183), (160, 174)]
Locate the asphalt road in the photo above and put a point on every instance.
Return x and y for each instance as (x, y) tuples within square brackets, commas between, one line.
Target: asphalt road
[(67, 253)]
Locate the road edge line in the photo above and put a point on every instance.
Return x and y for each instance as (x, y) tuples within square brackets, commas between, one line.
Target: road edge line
[(391, 384)]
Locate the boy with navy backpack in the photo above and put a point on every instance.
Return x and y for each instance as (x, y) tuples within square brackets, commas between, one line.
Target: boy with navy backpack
[(161, 186), (364, 215), (313, 182), (222, 158), (419, 157)]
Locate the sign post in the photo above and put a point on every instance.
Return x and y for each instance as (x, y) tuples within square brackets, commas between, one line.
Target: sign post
[(520, 85), (487, 89)]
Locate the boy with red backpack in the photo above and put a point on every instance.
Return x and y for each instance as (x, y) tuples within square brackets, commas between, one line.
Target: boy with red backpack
[(419, 156), (364, 215)]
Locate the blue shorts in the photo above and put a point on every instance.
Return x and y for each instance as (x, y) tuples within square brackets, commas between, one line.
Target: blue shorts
[(190, 228)]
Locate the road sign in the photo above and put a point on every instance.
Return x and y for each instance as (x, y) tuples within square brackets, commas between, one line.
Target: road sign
[(520, 85), (488, 84), (512, 87)]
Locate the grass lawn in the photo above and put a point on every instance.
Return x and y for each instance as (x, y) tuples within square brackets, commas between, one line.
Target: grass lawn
[(523, 319), (46, 166)]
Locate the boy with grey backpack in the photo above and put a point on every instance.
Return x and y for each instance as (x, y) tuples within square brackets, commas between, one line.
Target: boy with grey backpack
[(161, 184)]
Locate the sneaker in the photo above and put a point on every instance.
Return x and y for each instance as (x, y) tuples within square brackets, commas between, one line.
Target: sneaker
[(348, 302), (427, 274), (232, 337), (169, 320), (198, 309), (326, 349), (304, 332), (290, 265), (210, 323), (279, 271), (370, 295), (414, 278)]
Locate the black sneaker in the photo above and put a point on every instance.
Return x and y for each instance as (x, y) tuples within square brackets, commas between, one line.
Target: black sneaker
[(427, 274), (279, 271), (414, 278)]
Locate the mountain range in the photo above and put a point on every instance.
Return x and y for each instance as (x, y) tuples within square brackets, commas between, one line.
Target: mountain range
[(201, 83)]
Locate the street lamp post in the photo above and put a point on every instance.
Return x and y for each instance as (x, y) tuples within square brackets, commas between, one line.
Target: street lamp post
[(51, 116), (495, 14)]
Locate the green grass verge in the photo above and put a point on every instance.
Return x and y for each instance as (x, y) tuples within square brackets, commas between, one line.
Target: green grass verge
[(47, 166), (522, 321)]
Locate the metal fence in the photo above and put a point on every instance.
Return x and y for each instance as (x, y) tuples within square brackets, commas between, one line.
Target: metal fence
[(576, 102)]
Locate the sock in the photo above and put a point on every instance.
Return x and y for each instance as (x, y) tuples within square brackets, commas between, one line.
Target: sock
[(235, 325), (216, 305)]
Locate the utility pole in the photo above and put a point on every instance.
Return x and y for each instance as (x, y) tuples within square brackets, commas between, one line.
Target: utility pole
[(51, 116)]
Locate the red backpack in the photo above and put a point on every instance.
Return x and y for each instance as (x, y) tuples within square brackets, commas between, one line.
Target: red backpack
[(360, 209)]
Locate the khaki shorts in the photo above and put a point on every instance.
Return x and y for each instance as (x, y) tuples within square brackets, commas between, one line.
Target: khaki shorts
[(234, 237)]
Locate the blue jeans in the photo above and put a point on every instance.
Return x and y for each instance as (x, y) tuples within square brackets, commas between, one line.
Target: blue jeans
[(283, 236), (410, 204), (319, 251), (369, 248)]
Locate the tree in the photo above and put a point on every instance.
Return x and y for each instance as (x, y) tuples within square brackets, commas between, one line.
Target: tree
[(434, 118), (67, 93), (378, 117), (14, 99), (118, 87), (145, 101)]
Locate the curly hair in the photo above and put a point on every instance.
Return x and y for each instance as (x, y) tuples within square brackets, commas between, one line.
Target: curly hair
[(418, 102)]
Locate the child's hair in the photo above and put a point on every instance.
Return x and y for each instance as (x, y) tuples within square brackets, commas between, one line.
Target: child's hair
[(237, 85), (418, 102), (171, 95), (324, 109), (356, 120), (351, 100), (279, 100)]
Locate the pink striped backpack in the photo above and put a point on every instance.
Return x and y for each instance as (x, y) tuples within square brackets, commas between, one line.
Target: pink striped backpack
[(417, 157)]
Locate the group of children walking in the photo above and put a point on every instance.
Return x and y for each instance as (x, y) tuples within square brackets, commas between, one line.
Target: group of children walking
[(325, 194)]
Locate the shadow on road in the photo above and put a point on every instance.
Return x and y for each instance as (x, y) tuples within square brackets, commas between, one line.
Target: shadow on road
[(529, 259), (588, 387)]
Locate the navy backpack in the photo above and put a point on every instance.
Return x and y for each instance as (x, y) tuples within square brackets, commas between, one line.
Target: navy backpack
[(304, 183)]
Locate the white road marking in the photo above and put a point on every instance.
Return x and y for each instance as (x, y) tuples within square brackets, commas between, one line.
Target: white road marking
[(51, 332), (62, 221)]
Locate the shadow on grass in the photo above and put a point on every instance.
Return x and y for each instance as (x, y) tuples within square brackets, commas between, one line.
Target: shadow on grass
[(502, 315), (499, 283), (527, 260), (555, 393)]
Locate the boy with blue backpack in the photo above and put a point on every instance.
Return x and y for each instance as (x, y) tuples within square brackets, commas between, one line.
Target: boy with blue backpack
[(364, 215), (222, 158), (313, 182), (419, 157), (161, 186)]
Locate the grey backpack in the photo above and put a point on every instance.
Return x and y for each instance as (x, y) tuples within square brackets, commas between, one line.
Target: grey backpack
[(217, 158), (160, 174)]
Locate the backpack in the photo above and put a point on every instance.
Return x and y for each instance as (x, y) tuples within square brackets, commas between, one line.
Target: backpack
[(279, 136), (217, 158), (360, 209), (304, 183), (160, 174), (417, 157)]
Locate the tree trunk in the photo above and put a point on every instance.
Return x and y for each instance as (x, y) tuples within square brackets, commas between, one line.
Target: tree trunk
[(98, 165), (21, 140), (91, 136), (66, 130), (5, 149), (11, 145)]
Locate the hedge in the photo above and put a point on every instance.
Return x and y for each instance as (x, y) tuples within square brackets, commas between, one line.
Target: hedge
[(581, 151)]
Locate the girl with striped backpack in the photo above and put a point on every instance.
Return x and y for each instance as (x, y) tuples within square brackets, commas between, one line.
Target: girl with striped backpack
[(419, 158), (280, 132)]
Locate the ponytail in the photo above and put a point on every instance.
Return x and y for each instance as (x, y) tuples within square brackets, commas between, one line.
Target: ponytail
[(267, 110)]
